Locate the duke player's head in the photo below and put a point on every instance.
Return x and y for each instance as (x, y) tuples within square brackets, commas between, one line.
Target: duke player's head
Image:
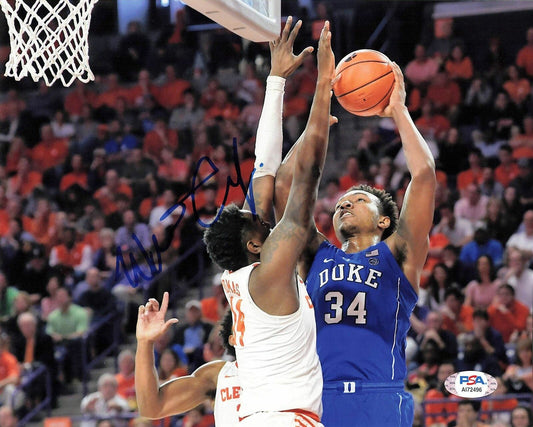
[(365, 210), (235, 239)]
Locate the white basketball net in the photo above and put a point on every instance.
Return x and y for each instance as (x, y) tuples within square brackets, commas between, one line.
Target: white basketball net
[(49, 39)]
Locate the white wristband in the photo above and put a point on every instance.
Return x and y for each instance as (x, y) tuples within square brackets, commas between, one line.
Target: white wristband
[(269, 139)]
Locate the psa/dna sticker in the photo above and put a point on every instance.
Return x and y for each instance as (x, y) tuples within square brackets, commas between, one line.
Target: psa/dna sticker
[(471, 384)]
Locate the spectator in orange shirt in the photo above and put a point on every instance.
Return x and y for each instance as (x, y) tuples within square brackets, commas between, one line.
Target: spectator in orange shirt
[(222, 107), (144, 87), (517, 87), (172, 169), (432, 125), (295, 106), (107, 194), (25, 180), (353, 176), (77, 176), (9, 373), (207, 98), (92, 238), (507, 170), (170, 366), (112, 92), (474, 174), (459, 67), (170, 94), (306, 77), (444, 93), (446, 411), (161, 136), (44, 220), (126, 377), (215, 306), (506, 313), (77, 98), (74, 255), (524, 58), (50, 152), (456, 317), (17, 149)]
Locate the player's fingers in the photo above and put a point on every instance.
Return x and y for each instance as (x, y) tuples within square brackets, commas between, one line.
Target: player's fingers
[(164, 303), (325, 31), (295, 31), (141, 310), (286, 29), (169, 323), (155, 303), (398, 76), (306, 52), (333, 120)]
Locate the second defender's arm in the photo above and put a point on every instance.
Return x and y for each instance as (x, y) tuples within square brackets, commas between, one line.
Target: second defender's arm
[(175, 396), (416, 216)]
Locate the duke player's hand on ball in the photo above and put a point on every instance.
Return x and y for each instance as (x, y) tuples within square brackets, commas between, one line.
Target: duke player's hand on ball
[(151, 322), (397, 97), (326, 58), (283, 61)]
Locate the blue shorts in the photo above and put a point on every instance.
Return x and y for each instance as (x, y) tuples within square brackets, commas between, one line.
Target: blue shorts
[(355, 403)]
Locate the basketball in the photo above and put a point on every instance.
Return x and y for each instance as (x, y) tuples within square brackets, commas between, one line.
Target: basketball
[(365, 82)]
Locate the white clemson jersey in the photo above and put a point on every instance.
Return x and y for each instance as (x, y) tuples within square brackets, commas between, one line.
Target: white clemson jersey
[(279, 368), (228, 398)]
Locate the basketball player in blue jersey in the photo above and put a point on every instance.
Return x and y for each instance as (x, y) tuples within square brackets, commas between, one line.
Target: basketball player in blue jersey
[(363, 294)]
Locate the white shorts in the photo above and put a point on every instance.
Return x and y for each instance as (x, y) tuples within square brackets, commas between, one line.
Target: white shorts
[(279, 419)]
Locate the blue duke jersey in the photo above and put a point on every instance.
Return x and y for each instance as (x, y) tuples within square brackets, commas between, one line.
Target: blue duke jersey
[(362, 303)]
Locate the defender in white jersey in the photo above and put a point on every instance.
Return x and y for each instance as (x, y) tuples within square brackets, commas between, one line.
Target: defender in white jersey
[(272, 319), (277, 354)]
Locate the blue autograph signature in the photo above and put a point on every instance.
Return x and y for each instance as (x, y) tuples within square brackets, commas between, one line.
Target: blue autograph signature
[(134, 274)]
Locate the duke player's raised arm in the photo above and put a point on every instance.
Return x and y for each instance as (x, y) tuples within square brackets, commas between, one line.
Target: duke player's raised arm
[(416, 216)]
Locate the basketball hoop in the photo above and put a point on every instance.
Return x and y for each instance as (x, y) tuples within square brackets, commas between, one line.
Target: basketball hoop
[(49, 39), (255, 20)]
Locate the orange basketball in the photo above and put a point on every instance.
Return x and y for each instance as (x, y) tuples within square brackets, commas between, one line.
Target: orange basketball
[(365, 82)]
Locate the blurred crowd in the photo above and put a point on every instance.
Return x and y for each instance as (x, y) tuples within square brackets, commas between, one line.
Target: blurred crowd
[(87, 173)]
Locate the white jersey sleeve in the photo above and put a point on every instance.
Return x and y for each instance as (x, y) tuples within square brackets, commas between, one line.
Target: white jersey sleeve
[(279, 368)]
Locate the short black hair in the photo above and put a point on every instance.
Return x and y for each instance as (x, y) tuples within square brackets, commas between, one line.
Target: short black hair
[(455, 291), (481, 313), (226, 330), (476, 404), (387, 207), (506, 147), (508, 287), (224, 238)]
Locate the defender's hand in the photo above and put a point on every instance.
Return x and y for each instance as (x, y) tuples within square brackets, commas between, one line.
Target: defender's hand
[(151, 320), (283, 60)]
